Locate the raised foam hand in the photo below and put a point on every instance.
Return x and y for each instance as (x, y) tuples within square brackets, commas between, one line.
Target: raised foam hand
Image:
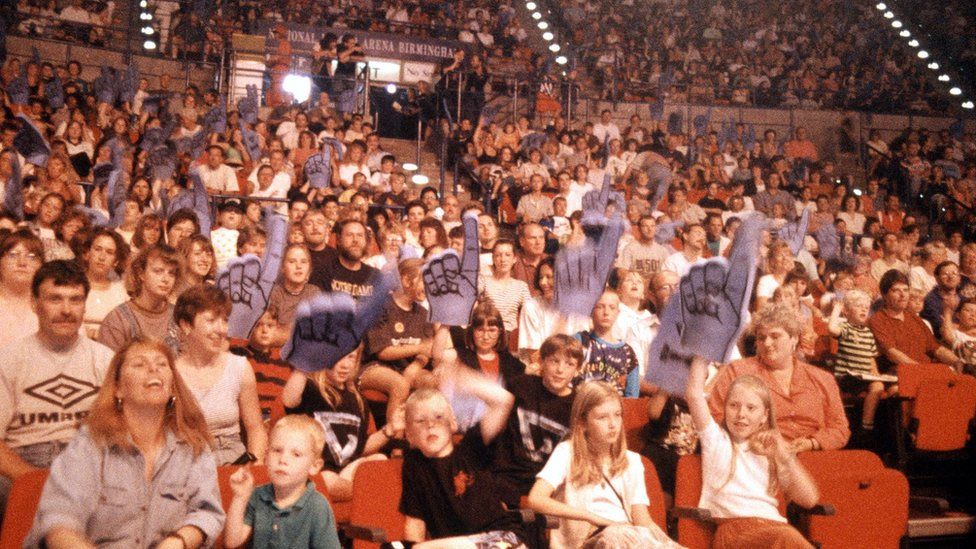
[(248, 106), (248, 280), (665, 232), (54, 92), (451, 283), (318, 171), (714, 296), (251, 141), (660, 179), (828, 240), (30, 143), (794, 232), (595, 204), (19, 90), (330, 326), (581, 272), (13, 198), (667, 363), (201, 203)]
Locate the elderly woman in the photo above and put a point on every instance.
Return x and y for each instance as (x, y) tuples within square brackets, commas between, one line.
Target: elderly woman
[(223, 384), (144, 446), (809, 411), (21, 254)]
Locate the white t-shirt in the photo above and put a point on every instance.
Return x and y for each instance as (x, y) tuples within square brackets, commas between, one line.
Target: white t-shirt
[(538, 321), (745, 494), (919, 278), (222, 180), (224, 242), (678, 263), (766, 286), (101, 302), (598, 499), (44, 394)]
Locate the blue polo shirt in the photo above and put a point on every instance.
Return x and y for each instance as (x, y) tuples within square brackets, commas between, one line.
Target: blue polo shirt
[(306, 523)]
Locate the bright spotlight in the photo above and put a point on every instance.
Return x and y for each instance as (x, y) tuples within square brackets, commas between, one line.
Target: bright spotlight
[(881, 6), (299, 86), (391, 88), (553, 48), (913, 43), (143, 3), (889, 15), (149, 45), (548, 36), (561, 60), (934, 66), (420, 179), (967, 105), (543, 25), (536, 15), (943, 78), (530, 5), (922, 54), (955, 91), (145, 16), (410, 167), (904, 33), (147, 30), (896, 23)]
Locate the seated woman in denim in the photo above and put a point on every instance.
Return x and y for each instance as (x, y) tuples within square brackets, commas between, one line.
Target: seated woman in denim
[(140, 473)]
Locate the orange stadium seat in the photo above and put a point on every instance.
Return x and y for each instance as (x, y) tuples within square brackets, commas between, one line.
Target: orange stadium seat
[(25, 494)]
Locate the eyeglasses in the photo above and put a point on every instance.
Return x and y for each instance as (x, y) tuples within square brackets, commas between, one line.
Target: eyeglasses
[(23, 255)]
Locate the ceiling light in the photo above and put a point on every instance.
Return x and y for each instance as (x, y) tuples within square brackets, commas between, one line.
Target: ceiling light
[(881, 6), (561, 60), (914, 43), (554, 48), (536, 15), (967, 105), (943, 78), (530, 5), (543, 25), (420, 179), (889, 15), (905, 33), (548, 35), (410, 167), (955, 91), (896, 23), (934, 66)]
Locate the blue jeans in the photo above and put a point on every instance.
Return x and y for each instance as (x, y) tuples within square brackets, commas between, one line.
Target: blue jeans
[(40, 455)]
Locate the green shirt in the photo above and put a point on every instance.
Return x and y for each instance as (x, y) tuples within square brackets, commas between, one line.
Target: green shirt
[(306, 523)]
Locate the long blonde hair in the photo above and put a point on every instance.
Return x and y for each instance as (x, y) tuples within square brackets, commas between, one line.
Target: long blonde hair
[(182, 416), (758, 386), (584, 467), (332, 394)]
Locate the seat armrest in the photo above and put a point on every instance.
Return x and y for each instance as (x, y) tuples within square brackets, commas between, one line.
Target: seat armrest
[(362, 532), (694, 513)]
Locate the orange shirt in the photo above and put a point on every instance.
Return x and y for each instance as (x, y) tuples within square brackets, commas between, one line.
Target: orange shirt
[(812, 408)]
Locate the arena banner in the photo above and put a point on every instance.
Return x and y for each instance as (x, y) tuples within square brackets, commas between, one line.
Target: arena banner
[(378, 45)]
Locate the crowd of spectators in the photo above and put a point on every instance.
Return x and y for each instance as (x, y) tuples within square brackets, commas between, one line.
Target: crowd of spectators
[(85, 273), (831, 55)]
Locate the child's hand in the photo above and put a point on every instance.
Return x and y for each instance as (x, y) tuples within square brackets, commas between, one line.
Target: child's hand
[(398, 422), (242, 483), (769, 443)]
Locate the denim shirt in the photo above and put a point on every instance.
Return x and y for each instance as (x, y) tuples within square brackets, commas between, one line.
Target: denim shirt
[(102, 493)]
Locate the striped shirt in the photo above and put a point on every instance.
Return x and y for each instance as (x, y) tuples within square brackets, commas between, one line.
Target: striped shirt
[(508, 296), (855, 350)]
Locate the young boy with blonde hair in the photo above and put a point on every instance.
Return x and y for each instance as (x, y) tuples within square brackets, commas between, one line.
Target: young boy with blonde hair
[(287, 512)]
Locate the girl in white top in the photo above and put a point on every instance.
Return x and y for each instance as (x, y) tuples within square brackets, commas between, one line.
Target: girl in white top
[(592, 481), (506, 292), (745, 463)]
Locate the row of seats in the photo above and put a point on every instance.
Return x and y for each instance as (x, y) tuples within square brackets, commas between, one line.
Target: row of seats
[(864, 504)]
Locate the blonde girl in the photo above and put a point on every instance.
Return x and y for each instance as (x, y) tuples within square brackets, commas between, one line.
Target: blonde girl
[(592, 481), (745, 464), (330, 396)]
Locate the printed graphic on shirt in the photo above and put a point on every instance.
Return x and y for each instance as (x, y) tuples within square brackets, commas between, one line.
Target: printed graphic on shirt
[(61, 390), (534, 427), (462, 480), (352, 288), (339, 425)]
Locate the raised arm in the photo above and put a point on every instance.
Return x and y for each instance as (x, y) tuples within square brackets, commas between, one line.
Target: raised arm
[(695, 393), (497, 400)]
